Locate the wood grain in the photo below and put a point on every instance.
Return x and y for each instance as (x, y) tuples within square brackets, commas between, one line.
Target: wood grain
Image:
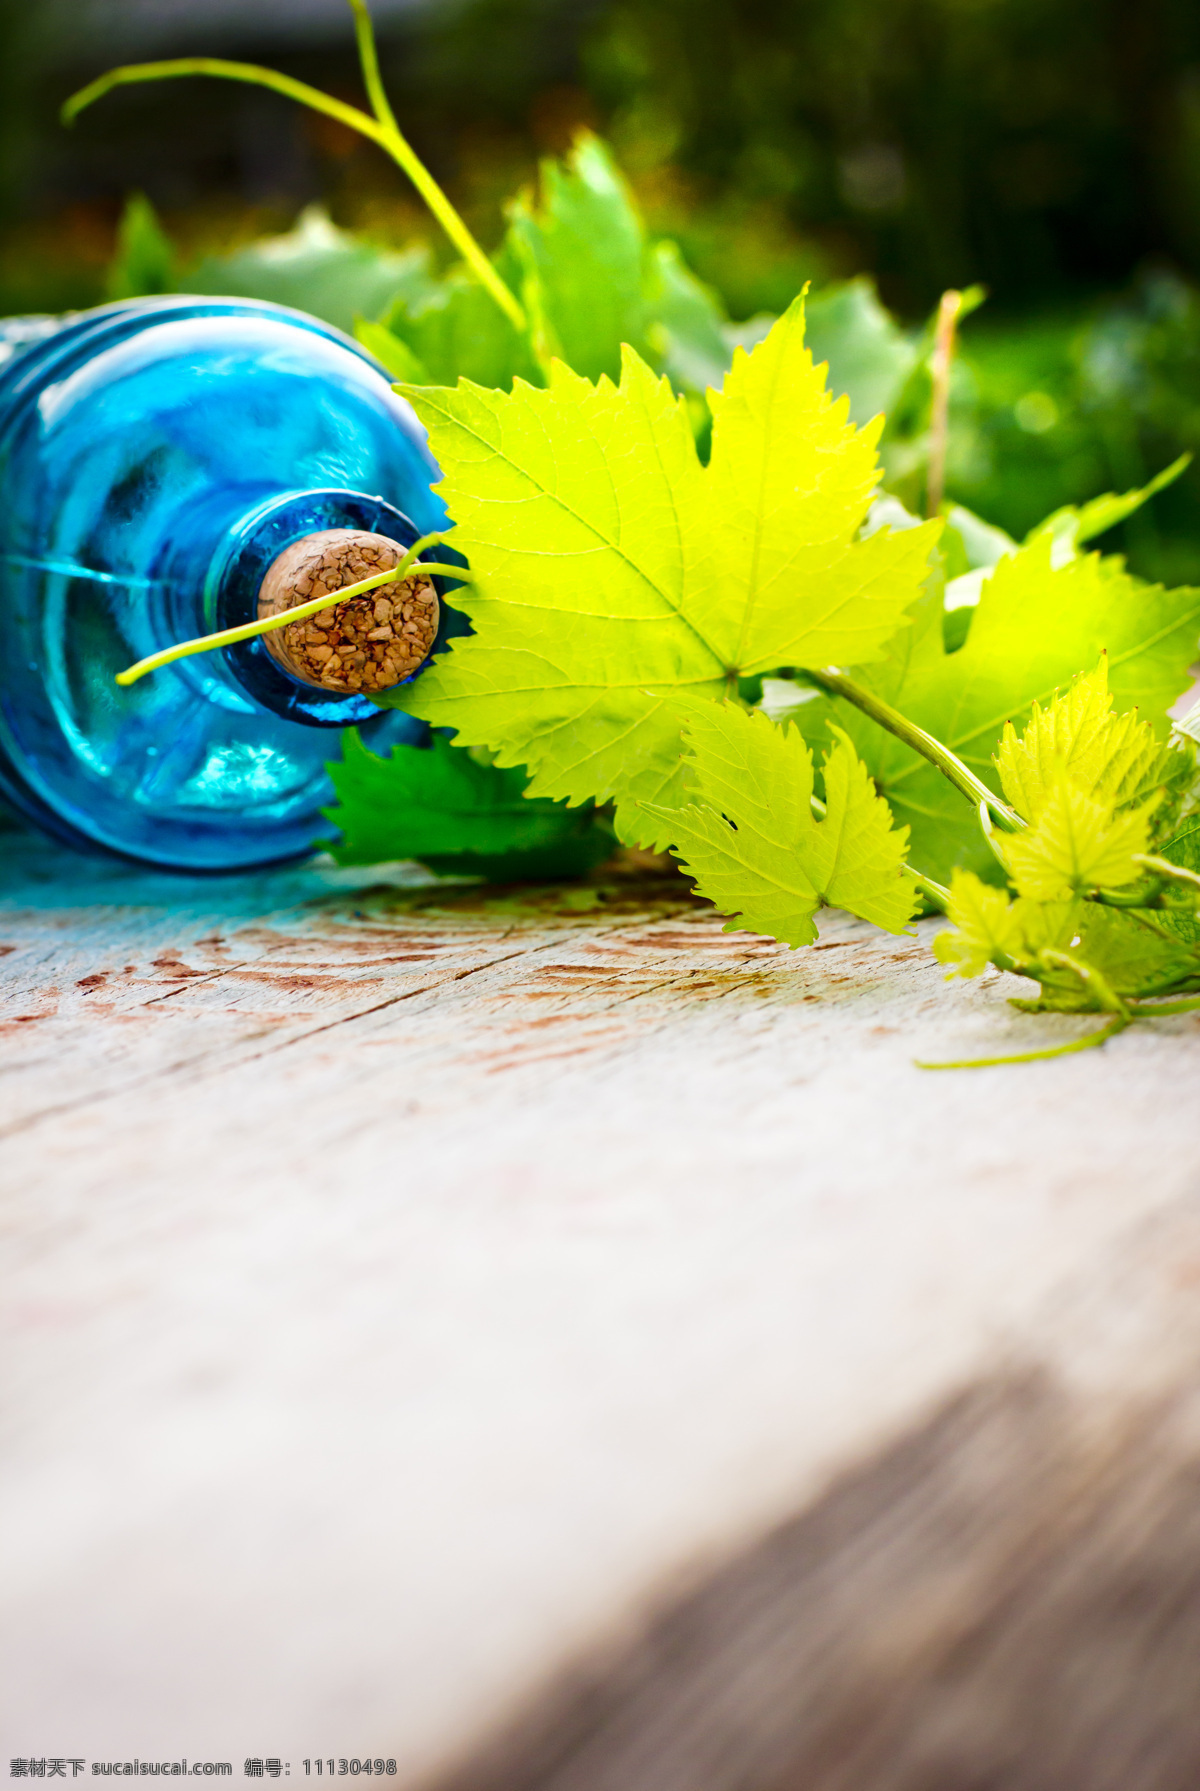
[(1001, 1598), (439, 1316)]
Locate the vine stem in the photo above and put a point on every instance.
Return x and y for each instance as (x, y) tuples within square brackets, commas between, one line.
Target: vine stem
[(381, 129), (949, 311), (1096, 985), (246, 631), (1089, 1042), (1092, 980), (937, 893), (836, 683), (1163, 868)]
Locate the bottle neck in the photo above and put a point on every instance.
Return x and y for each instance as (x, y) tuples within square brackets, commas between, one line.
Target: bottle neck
[(237, 553)]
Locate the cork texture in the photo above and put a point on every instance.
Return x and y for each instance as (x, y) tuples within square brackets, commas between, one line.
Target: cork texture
[(368, 643)]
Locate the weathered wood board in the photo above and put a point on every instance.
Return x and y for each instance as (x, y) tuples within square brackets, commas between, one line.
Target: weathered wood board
[(550, 1341)]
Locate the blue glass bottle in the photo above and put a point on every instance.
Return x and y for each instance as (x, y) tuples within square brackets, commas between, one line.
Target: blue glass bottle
[(155, 457)]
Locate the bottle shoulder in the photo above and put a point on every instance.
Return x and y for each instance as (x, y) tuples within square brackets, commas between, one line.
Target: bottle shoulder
[(38, 352)]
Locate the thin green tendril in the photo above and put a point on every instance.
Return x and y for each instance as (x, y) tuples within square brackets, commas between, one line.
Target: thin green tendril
[(381, 129), (229, 637), (1109, 1030)]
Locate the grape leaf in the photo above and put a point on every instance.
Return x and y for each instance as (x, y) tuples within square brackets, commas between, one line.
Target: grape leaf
[(985, 927), (1073, 525), (687, 328), (1114, 758), (1076, 844), (145, 262), (869, 356), (972, 545), (754, 845), (614, 573), (453, 328), (1129, 947), (318, 268), (438, 805), (1075, 771), (597, 283), (1134, 951), (390, 350), (1183, 848), (590, 280), (1036, 625), (586, 246)]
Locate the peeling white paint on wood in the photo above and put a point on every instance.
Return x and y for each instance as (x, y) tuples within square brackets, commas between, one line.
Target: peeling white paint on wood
[(404, 1287)]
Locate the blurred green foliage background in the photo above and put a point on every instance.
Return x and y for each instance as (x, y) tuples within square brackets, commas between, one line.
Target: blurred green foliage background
[(1048, 148)]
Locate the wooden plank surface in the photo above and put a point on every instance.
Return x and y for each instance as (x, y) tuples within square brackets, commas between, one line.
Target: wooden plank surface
[(417, 1294)]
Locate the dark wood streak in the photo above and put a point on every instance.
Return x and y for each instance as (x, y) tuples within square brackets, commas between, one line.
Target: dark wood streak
[(1006, 1599)]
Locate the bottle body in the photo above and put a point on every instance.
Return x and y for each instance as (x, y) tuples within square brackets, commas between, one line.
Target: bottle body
[(155, 457)]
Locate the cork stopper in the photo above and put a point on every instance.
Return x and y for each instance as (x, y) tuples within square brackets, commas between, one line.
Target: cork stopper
[(368, 643)]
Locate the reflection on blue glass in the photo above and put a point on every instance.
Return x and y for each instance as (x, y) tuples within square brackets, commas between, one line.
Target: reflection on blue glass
[(154, 457)]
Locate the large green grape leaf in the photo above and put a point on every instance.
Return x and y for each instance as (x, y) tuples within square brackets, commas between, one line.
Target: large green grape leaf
[(614, 573), (1036, 626), (438, 805), (1139, 952), (390, 350), (1183, 848), (754, 845)]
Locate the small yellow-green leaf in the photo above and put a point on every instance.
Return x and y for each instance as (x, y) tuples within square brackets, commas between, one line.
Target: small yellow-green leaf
[(1115, 758), (985, 927), (1077, 844), (754, 845)]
